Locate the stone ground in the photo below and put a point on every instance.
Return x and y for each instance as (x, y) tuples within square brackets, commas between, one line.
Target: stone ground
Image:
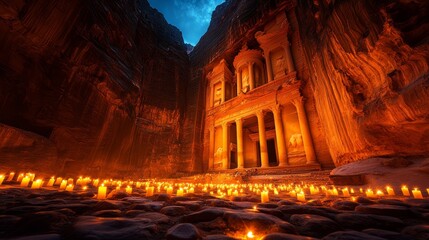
[(48, 214)]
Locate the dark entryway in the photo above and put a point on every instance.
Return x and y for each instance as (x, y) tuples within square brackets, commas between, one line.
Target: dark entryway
[(272, 157), (233, 160)]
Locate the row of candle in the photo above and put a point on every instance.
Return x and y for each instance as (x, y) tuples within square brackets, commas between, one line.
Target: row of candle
[(297, 191)]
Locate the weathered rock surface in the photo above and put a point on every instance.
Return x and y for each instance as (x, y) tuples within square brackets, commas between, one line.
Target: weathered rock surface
[(89, 87)]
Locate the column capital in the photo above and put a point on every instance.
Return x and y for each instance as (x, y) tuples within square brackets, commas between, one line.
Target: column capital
[(297, 101), (260, 113), (276, 108), (239, 120), (226, 124)]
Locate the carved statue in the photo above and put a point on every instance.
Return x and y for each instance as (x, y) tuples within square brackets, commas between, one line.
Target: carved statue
[(218, 96), (280, 66), (295, 142), (218, 155)]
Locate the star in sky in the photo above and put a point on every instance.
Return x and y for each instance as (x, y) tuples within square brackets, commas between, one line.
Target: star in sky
[(192, 17)]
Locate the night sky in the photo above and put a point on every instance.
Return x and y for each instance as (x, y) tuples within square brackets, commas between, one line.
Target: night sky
[(192, 17)]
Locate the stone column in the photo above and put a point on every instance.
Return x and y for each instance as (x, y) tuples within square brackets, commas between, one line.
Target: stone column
[(289, 59), (240, 153), (305, 131), (269, 67), (281, 144), (211, 95), (223, 92), (251, 76), (225, 146), (239, 82), (211, 147), (262, 139)]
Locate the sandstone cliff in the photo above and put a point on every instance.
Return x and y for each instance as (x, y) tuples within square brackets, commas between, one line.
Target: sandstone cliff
[(369, 68), (90, 87)]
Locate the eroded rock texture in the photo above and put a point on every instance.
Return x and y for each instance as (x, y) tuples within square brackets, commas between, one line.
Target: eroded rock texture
[(368, 63), (90, 87)]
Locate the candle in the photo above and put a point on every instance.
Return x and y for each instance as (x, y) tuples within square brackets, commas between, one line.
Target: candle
[(417, 193), (36, 184), (11, 175), (102, 190), (390, 191), (170, 190), (25, 181), (235, 193), (31, 175), (300, 196), (51, 182), (95, 182), (79, 181), (405, 191), (63, 184), (1, 178), (58, 181), (380, 193), (427, 190), (20, 177), (129, 190), (335, 191), (369, 193), (70, 181), (353, 199), (149, 191), (250, 235), (314, 190), (276, 192), (179, 192), (229, 193), (346, 192), (191, 190), (69, 188), (264, 197)]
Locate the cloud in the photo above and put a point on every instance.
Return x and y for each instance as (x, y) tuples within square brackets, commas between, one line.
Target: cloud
[(192, 17)]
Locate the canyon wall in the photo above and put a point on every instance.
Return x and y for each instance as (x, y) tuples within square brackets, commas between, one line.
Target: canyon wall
[(369, 71), (90, 87)]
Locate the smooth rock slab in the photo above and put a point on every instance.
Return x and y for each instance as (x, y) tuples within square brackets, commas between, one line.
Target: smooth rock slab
[(173, 210), (89, 227), (420, 232), (285, 236), (351, 235), (7, 221), (387, 234), (386, 210), (107, 213), (205, 215), (155, 217), (183, 231), (314, 225), (219, 237), (362, 221), (40, 237), (41, 222), (345, 205)]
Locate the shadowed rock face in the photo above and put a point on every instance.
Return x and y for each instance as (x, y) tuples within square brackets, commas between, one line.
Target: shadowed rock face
[(87, 85)]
